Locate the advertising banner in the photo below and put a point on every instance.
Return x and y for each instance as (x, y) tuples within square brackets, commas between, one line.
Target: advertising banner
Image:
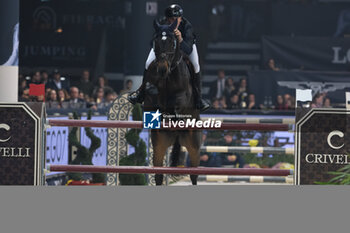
[(308, 53), (265, 84), (21, 144), (322, 137)]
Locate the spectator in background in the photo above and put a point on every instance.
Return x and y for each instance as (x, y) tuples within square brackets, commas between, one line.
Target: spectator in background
[(52, 100), (242, 87), (291, 103), (23, 90), (287, 99), (22, 86), (128, 86), (216, 103), (63, 98), (208, 159), (111, 95), (217, 88), (85, 84), (75, 101), (229, 88), (280, 104), (251, 102), (103, 98), (234, 102), (271, 65), (24, 97), (327, 103), (58, 82), (36, 78), (47, 93), (36, 93), (216, 21), (222, 103), (81, 95), (101, 82), (242, 92), (100, 96), (44, 77), (317, 101), (234, 159), (62, 95)]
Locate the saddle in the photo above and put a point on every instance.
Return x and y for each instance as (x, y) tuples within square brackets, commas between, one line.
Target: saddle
[(189, 65)]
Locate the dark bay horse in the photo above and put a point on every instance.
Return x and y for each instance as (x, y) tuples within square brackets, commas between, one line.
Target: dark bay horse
[(171, 76)]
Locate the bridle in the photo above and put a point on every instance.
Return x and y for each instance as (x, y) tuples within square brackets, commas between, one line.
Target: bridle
[(173, 64)]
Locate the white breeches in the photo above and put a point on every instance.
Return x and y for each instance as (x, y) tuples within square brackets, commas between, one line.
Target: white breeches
[(193, 58)]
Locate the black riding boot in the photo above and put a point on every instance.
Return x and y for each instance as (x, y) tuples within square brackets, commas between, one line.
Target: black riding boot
[(201, 104), (139, 95)]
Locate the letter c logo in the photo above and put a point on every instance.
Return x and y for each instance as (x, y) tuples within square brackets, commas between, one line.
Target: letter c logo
[(7, 128), (335, 133)]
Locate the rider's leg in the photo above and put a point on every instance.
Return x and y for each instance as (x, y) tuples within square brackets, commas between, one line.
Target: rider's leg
[(139, 95), (197, 87)]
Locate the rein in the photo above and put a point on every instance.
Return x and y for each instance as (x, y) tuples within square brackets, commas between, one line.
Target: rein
[(173, 66)]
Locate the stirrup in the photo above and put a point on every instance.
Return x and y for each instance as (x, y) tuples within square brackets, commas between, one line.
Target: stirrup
[(135, 97), (203, 105)]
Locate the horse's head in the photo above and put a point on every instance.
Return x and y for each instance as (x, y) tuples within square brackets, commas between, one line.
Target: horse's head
[(165, 47)]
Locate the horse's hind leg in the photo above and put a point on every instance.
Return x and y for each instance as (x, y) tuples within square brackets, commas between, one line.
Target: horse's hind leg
[(158, 160), (192, 140), (193, 152)]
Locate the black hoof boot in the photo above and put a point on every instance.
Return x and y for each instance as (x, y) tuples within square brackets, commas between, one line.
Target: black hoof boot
[(159, 179), (197, 93), (194, 179)]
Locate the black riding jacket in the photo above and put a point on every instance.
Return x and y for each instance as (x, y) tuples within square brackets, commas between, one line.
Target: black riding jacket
[(188, 35)]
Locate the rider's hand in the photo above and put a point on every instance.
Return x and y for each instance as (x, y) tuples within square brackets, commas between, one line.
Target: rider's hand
[(178, 35)]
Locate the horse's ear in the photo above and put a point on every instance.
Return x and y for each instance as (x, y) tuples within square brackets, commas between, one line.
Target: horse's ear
[(173, 26), (156, 25)]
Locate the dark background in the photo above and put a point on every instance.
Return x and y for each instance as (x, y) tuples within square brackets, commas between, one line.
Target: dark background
[(113, 37), (125, 45), (9, 16)]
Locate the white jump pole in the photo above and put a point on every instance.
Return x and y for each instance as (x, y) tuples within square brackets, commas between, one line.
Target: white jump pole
[(8, 83)]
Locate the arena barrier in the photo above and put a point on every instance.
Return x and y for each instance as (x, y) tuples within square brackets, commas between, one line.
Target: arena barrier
[(255, 120), (119, 117), (247, 179), (24, 145), (169, 170), (139, 125), (246, 149)]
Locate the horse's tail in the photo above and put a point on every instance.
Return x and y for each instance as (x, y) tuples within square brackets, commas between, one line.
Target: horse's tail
[(175, 154)]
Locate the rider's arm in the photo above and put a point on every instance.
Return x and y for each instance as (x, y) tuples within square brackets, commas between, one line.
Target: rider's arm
[(188, 38)]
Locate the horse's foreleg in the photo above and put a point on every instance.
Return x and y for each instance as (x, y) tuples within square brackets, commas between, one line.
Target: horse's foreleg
[(159, 150)]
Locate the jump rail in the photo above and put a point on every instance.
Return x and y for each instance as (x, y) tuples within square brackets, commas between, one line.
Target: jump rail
[(139, 124), (254, 120), (247, 149), (169, 170), (249, 179)]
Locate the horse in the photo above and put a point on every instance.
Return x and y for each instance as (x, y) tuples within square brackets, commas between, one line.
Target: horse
[(170, 74)]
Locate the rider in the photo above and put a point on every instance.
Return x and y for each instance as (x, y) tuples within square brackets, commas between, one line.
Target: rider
[(186, 37)]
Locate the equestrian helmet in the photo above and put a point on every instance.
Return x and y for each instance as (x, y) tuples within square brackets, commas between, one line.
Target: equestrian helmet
[(174, 10)]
